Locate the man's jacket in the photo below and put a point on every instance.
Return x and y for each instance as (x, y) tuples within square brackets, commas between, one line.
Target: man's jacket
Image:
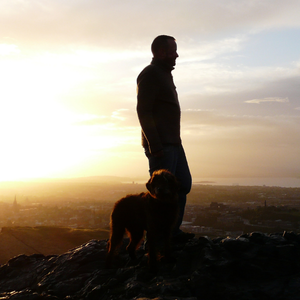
[(158, 107)]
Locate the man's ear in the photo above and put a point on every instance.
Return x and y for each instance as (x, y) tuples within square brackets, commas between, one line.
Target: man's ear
[(161, 53)]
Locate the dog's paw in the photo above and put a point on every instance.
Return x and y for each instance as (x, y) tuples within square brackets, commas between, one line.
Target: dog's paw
[(153, 269), (168, 259)]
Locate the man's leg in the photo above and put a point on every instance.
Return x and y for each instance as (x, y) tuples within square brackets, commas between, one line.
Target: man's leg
[(183, 175), (175, 161)]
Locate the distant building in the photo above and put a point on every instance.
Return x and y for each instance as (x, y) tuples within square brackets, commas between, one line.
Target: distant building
[(15, 206)]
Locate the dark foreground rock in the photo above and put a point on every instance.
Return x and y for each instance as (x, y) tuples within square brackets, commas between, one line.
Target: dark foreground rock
[(252, 266)]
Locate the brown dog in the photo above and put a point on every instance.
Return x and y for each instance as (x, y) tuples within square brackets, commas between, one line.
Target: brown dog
[(155, 212)]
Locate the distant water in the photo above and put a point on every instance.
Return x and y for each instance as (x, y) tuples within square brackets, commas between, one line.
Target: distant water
[(283, 182), (268, 181)]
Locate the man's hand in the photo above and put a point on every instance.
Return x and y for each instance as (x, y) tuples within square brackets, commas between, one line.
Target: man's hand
[(158, 153)]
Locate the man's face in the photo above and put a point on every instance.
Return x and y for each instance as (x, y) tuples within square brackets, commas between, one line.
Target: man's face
[(171, 53)]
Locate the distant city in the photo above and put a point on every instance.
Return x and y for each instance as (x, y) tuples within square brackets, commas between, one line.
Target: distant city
[(252, 181), (212, 210)]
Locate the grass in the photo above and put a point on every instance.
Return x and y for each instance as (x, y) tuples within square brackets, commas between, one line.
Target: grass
[(44, 240)]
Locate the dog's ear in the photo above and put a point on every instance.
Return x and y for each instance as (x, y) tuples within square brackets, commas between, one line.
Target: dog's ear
[(148, 185)]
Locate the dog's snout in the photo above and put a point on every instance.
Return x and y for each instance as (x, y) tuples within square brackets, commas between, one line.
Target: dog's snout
[(162, 190)]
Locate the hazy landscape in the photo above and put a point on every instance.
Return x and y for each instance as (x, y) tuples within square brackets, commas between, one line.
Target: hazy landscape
[(66, 213)]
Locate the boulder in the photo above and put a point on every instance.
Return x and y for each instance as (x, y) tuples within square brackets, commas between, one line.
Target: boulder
[(251, 266)]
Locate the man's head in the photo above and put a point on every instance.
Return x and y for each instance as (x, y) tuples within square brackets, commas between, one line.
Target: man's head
[(164, 48)]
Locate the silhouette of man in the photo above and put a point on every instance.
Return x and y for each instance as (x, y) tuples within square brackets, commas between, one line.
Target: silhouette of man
[(159, 113)]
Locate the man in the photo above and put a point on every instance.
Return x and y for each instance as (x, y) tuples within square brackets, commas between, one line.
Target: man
[(159, 115)]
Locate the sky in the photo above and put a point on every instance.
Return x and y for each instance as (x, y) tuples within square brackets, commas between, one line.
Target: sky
[(68, 86)]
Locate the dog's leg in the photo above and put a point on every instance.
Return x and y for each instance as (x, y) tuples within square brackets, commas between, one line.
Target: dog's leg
[(117, 234), (135, 238), (167, 245), (152, 253), (167, 232), (167, 240)]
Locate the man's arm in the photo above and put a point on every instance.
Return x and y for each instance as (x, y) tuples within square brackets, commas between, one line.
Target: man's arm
[(147, 89)]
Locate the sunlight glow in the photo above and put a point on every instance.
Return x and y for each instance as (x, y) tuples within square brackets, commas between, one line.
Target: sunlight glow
[(40, 143), (7, 49), (68, 73), (39, 137)]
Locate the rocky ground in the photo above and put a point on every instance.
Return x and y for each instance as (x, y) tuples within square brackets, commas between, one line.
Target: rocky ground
[(252, 266)]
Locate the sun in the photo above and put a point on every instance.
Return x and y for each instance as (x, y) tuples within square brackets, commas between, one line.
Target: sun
[(41, 134), (48, 142)]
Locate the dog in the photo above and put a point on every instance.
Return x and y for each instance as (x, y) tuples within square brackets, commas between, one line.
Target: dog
[(155, 212)]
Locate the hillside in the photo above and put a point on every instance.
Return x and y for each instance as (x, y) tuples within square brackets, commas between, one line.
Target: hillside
[(253, 266), (44, 240)]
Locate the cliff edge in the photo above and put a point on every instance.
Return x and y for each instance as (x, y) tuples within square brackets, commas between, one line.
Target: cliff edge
[(251, 266)]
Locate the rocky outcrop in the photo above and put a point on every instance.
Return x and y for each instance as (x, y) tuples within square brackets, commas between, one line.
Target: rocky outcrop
[(252, 266)]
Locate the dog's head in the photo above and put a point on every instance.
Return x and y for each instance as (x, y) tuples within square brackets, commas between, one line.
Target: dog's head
[(162, 184)]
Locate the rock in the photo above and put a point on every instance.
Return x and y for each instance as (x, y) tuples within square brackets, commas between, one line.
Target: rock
[(252, 266), (257, 238)]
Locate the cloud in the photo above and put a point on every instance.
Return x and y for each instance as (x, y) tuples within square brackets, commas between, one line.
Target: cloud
[(268, 100), (254, 131), (218, 120), (120, 119), (205, 95), (86, 56), (131, 23), (229, 145), (7, 49)]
